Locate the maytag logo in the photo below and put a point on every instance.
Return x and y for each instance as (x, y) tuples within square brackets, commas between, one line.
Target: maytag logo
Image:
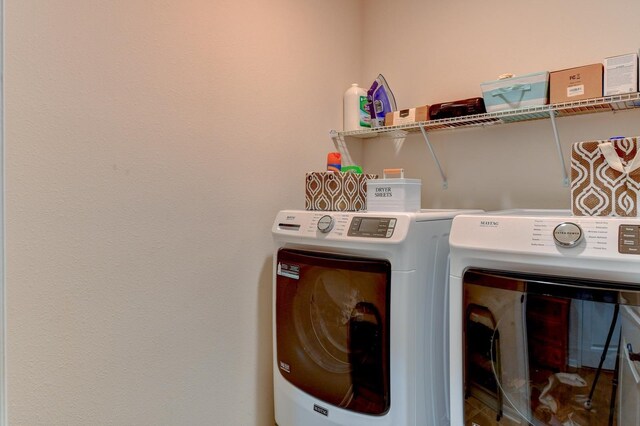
[(321, 410), (285, 367), (489, 223)]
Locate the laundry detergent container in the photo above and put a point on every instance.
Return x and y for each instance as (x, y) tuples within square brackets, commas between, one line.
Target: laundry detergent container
[(516, 92)]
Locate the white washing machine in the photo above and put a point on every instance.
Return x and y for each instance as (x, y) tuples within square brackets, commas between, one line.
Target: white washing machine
[(544, 319), (359, 303)]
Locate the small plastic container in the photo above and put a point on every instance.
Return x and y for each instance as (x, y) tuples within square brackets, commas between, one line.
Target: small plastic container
[(394, 194)]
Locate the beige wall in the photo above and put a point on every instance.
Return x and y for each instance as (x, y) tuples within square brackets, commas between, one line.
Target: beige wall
[(149, 145), (441, 51)]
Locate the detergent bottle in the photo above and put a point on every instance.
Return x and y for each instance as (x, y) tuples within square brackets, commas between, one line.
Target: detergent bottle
[(355, 113)]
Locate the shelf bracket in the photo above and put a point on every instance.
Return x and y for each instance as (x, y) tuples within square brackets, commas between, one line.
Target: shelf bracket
[(445, 184), (565, 176), (341, 146)]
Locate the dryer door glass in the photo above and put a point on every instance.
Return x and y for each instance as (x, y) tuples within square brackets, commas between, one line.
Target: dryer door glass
[(332, 328), (546, 350)]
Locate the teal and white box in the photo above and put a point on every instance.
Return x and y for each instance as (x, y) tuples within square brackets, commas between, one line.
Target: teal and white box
[(516, 92), (393, 195)]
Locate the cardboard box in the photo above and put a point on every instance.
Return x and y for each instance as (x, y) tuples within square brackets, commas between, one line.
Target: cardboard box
[(336, 191), (621, 74), (407, 116), (516, 92), (575, 84)]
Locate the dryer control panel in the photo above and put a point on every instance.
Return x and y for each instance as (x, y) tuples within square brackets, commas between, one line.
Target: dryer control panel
[(372, 227), (369, 227), (629, 239)]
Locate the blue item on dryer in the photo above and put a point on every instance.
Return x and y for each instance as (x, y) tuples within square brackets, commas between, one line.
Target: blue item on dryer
[(516, 92)]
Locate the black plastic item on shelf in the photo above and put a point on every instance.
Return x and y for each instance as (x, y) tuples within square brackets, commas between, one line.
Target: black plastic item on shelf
[(457, 108)]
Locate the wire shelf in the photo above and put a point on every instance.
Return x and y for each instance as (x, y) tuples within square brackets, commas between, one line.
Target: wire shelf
[(588, 106), (550, 112)]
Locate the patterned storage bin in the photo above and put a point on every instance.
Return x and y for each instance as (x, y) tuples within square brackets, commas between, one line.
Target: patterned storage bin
[(336, 191), (605, 177)]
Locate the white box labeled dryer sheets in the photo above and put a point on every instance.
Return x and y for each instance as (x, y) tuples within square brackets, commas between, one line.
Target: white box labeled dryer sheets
[(516, 92), (393, 194), (621, 74)]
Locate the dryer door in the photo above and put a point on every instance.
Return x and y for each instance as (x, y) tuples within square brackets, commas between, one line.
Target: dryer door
[(332, 328)]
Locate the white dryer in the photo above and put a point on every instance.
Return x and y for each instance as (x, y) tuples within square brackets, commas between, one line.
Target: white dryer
[(544, 319), (359, 318)]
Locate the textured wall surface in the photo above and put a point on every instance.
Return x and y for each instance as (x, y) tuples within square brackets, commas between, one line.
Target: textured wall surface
[(149, 145)]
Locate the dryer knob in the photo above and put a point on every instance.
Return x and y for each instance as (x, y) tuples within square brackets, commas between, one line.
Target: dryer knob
[(325, 224)]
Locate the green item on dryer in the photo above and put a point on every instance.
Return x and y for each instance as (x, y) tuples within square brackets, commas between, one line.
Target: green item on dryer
[(352, 169)]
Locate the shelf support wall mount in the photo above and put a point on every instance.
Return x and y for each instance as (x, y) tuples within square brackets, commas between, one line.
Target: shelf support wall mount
[(565, 176), (445, 184), (341, 146)]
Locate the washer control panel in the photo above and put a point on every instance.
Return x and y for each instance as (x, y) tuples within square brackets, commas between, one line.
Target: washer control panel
[(629, 239), (372, 227)]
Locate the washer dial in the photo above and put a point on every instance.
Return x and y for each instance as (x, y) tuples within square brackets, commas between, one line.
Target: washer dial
[(325, 224), (567, 234)]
